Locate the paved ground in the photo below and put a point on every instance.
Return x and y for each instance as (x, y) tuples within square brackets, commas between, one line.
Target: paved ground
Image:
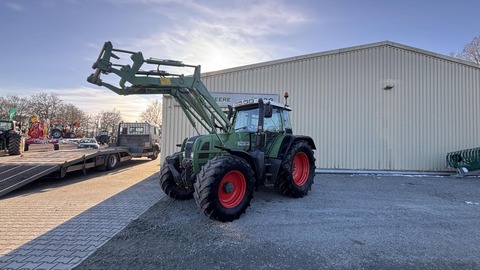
[(347, 222), (56, 224)]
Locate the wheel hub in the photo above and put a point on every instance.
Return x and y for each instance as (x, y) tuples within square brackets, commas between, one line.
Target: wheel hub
[(228, 187)]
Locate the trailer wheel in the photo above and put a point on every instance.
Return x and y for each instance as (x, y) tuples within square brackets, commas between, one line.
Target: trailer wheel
[(15, 146), (297, 171), (112, 161), (167, 180), (224, 188)]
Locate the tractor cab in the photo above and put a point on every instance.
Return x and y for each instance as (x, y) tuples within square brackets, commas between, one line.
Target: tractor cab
[(6, 125), (275, 117), (262, 124)]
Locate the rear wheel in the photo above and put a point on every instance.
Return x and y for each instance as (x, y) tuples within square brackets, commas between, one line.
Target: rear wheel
[(56, 133), (112, 161), (167, 180), (297, 171), (15, 145), (224, 188)]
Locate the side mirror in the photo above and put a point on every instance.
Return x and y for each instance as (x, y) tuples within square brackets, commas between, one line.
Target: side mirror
[(268, 110)]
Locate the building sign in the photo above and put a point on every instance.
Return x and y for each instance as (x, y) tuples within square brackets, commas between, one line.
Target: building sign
[(225, 99)]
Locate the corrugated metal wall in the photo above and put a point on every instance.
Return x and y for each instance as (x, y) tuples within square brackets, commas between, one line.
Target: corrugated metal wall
[(339, 99)]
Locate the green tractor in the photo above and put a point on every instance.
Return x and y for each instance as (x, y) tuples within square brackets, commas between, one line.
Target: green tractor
[(12, 138), (253, 144)]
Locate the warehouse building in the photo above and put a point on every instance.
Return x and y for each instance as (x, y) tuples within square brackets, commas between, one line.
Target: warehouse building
[(377, 107)]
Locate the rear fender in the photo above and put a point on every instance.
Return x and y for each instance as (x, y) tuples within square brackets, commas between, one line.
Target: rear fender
[(289, 140)]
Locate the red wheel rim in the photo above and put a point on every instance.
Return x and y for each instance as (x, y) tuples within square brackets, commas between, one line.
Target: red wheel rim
[(232, 189), (301, 168)]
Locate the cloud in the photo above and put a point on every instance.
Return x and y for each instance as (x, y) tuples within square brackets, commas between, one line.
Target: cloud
[(14, 6), (217, 36)]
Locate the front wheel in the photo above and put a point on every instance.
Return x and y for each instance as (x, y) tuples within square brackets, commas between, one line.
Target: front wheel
[(167, 180), (224, 188), (297, 171), (155, 154)]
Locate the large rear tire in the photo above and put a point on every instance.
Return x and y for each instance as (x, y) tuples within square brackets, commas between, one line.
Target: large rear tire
[(297, 171), (224, 188), (15, 145), (56, 133), (167, 181)]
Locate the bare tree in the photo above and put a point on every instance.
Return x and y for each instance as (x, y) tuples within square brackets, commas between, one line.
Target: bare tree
[(89, 125), (46, 106), (109, 120), (19, 103), (153, 114), (70, 113), (471, 52)]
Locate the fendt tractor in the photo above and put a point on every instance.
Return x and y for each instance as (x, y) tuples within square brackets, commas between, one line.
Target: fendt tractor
[(12, 137), (252, 145)]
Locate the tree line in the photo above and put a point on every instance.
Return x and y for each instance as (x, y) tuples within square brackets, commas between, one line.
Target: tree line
[(48, 107)]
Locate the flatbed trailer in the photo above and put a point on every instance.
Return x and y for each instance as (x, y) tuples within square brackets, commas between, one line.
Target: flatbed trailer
[(17, 171)]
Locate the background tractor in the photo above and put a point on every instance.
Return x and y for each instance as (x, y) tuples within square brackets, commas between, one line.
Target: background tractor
[(63, 130), (12, 138), (250, 146)]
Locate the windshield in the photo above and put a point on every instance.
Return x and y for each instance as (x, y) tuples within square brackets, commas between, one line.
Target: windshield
[(5, 125), (246, 120)]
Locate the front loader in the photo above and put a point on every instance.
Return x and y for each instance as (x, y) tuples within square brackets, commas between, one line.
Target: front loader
[(250, 146)]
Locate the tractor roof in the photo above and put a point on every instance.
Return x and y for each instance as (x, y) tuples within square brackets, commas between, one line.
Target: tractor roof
[(248, 103)]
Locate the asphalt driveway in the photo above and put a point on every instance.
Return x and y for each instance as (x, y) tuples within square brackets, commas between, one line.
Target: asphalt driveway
[(346, 222)]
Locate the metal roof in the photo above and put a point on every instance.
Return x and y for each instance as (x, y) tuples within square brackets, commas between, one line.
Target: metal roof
[(343, 50)]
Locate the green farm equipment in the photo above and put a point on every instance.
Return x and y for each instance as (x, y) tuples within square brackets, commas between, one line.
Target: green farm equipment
[(465, 161), (252, 145), (12, 138)]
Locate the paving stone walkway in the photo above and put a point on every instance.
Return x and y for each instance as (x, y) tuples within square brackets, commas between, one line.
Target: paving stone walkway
[(69, 243)]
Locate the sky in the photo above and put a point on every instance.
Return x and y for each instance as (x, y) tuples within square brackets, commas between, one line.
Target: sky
[(50, 45)]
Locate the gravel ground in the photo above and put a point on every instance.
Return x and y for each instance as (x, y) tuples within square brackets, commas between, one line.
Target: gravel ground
[(346, 222)]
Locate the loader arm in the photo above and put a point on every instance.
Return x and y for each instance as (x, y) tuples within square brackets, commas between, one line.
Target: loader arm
[(189, 91)]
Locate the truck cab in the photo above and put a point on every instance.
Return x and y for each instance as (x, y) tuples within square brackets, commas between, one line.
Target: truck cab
[(142, 139)]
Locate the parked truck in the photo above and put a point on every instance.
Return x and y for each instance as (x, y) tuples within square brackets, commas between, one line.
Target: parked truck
[(142, 139), (221, 169), (134, 140)]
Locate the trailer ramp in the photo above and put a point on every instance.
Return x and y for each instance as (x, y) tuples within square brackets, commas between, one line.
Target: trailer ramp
[(17, 171), (16, 176)]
